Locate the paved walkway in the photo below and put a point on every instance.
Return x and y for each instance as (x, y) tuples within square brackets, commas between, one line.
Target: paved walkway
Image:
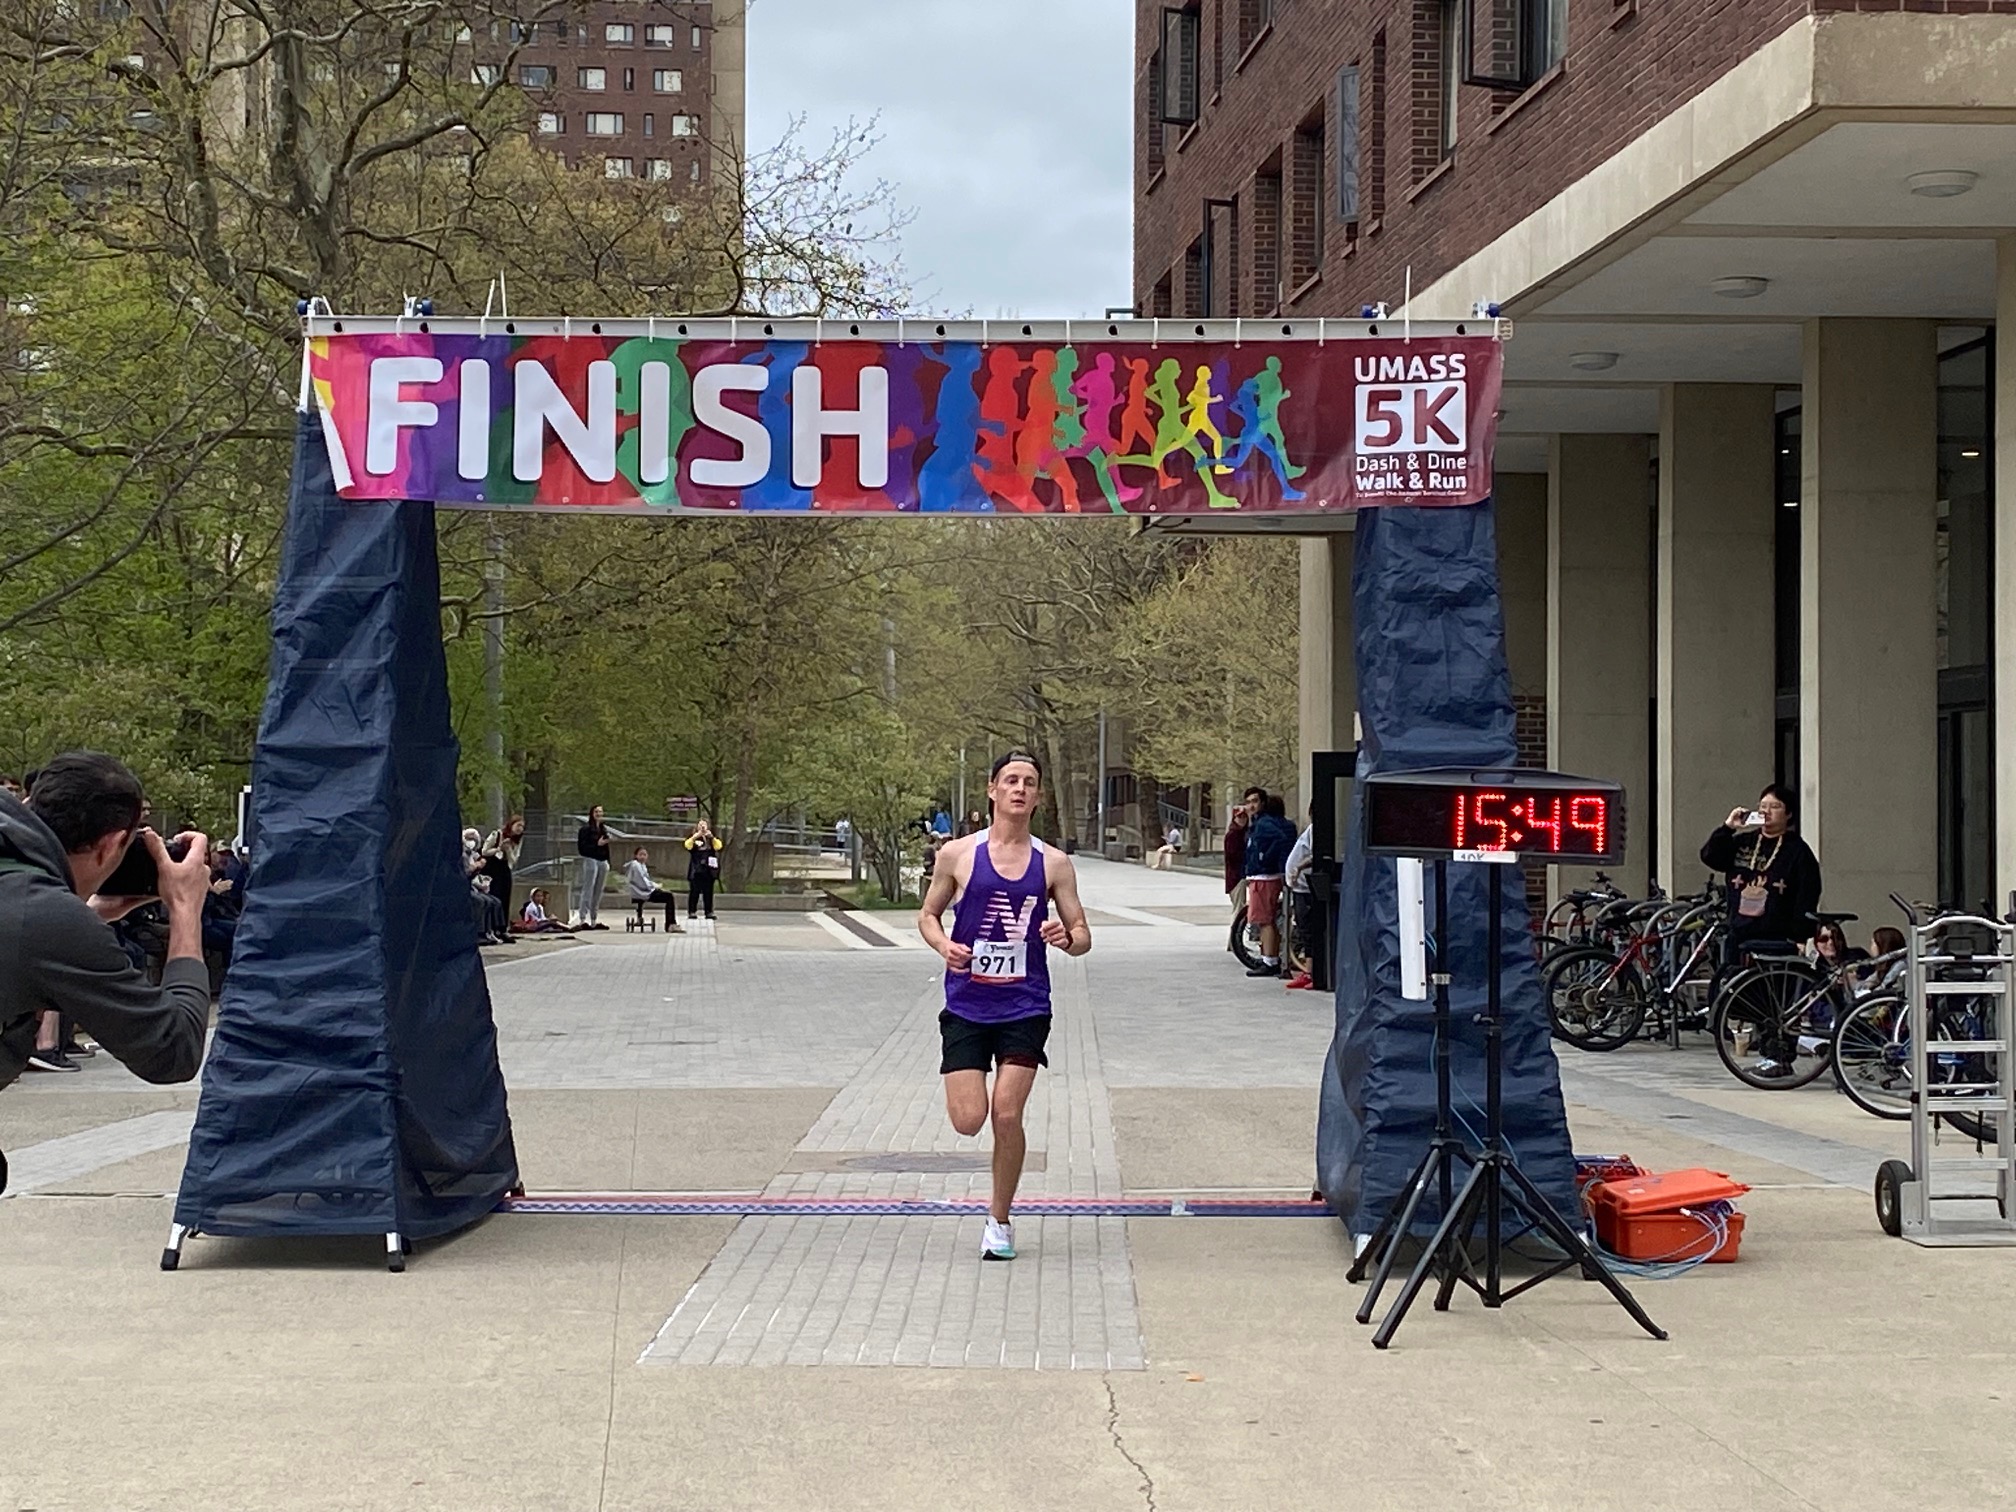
[(543, 1362)]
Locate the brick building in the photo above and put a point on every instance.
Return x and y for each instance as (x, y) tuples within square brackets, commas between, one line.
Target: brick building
[(1755, 252), (650, 88)]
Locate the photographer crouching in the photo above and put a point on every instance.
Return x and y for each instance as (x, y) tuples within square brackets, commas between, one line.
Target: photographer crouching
[(58, 956)]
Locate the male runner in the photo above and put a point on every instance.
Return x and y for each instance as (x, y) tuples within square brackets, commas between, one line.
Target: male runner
[(999, 883)]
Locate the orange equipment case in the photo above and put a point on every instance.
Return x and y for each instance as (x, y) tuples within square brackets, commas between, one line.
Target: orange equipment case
[(1657, 1218)]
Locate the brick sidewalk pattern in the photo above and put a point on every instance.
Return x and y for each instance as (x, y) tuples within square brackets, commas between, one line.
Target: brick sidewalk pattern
[(914, 1291)]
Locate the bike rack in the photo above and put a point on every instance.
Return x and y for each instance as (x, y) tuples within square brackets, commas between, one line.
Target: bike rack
[(1958, 956)]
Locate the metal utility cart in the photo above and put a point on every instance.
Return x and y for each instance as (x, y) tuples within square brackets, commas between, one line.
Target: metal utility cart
[(1962, 1021)]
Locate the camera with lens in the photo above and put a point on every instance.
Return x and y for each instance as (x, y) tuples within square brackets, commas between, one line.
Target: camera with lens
[(136, 875)]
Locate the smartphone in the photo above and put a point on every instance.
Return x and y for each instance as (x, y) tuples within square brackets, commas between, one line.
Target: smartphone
[(136, 875)]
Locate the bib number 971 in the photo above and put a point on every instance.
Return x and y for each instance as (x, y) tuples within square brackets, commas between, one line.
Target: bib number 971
[(999, 962)]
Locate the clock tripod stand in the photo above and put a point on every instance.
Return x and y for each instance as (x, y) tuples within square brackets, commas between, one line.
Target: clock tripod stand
[(1494, 1187)]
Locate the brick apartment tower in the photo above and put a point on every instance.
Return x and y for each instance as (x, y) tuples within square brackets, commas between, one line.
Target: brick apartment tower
[(650, 88)]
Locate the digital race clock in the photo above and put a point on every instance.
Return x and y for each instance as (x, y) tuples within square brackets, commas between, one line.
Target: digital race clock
[(1504, 815)]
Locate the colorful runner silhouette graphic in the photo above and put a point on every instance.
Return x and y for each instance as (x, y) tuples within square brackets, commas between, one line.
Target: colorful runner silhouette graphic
[(1173, 434), (1257, 408), (1001, 424), (1100, 394), (1037, 454)]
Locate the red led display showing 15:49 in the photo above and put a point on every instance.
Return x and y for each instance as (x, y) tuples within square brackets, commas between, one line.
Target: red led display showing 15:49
[(1553, 824)]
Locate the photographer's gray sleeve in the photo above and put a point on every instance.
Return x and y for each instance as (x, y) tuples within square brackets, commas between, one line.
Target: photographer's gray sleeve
[(156, 1032)]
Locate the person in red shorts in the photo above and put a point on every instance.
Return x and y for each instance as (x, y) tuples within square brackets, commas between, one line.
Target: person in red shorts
[(1270, 839)]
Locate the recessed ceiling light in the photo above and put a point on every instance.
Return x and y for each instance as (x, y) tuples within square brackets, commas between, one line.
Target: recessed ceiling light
[(1789, 504), (1971, 453), (1941, 183), (1740, 286), (1592, 362)]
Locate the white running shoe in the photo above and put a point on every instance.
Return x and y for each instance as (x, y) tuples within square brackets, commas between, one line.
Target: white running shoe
[(998, 1243)]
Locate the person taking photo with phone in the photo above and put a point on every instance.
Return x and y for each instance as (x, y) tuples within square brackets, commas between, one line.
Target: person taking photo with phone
[(1773, 883), (58, 954)]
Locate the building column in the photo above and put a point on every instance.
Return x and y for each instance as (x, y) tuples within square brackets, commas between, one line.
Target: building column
[(1521, 503), (1869, 673), (2003, 644), (1328, 679), (1599, 626), (1717, 673)]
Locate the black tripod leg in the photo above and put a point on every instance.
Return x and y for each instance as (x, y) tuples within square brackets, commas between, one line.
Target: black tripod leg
[(1541, 1212), (1393, 1228), (1476, 1192), (1375, 1246), (1446, 1234)]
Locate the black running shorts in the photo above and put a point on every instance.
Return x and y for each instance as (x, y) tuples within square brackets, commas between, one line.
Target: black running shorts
[(981, 1047)]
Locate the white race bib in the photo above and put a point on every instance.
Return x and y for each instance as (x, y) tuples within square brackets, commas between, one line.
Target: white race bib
[(1000, 962)]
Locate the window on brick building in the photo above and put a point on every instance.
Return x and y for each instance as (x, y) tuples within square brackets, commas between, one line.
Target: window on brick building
[(685, 125), (604, 123), (552, 123), (1219, 275), (1151, 129), (668, 80), (560, 30), (1449, 71), (658, 170), (1177, 102), (1545, 34), (535, 76), (1217, 44), (618, 168), (1255, 16), (696, 39), (659, 36), (629, 78), (1511, 43), (594, 79), (650, 124), (1375, 138), (1347, 149), (1265, 297), (485, 74), (1305, 201), (619, 34), (1431, 125), (693, 171), (1195, 305)]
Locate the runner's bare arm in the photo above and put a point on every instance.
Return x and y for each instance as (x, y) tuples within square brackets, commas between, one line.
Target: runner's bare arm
[(1069, 932), (937, 898)]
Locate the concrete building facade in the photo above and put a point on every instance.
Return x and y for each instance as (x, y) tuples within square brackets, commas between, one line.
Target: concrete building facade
[(1756, 256)]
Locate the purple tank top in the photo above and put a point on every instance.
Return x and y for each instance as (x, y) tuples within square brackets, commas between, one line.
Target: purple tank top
[(1001, 920)]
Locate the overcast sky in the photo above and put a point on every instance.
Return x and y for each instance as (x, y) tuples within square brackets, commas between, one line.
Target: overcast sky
[(1005, 128)]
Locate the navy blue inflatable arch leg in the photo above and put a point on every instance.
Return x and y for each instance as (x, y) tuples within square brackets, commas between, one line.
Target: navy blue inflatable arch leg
[(1432, 691), (353, 1084)]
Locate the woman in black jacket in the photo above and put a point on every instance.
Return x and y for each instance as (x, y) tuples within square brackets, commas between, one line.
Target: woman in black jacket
[(703, 870), (1773, 882)]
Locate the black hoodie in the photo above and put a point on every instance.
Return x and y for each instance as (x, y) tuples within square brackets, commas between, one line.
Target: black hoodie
[(56, 953)]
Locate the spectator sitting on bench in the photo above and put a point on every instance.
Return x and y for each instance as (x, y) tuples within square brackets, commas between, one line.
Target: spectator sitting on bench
[(637, 877), (491, 927), (533, 918)]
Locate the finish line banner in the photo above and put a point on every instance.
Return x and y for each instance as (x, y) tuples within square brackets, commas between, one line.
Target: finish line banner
[(571, 418)]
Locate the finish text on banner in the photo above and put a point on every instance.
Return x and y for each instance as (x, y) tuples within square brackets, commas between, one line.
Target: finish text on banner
[(648, 424)]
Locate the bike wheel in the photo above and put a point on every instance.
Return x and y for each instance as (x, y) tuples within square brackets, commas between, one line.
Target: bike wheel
[(1872, 1057), (1243, 946), (1592, 1002), (1762, 1021)]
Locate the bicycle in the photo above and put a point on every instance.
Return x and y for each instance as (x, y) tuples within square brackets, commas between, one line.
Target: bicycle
[(1664, 977), (1568, 922), (1872, 1049), (1774, 1021)]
